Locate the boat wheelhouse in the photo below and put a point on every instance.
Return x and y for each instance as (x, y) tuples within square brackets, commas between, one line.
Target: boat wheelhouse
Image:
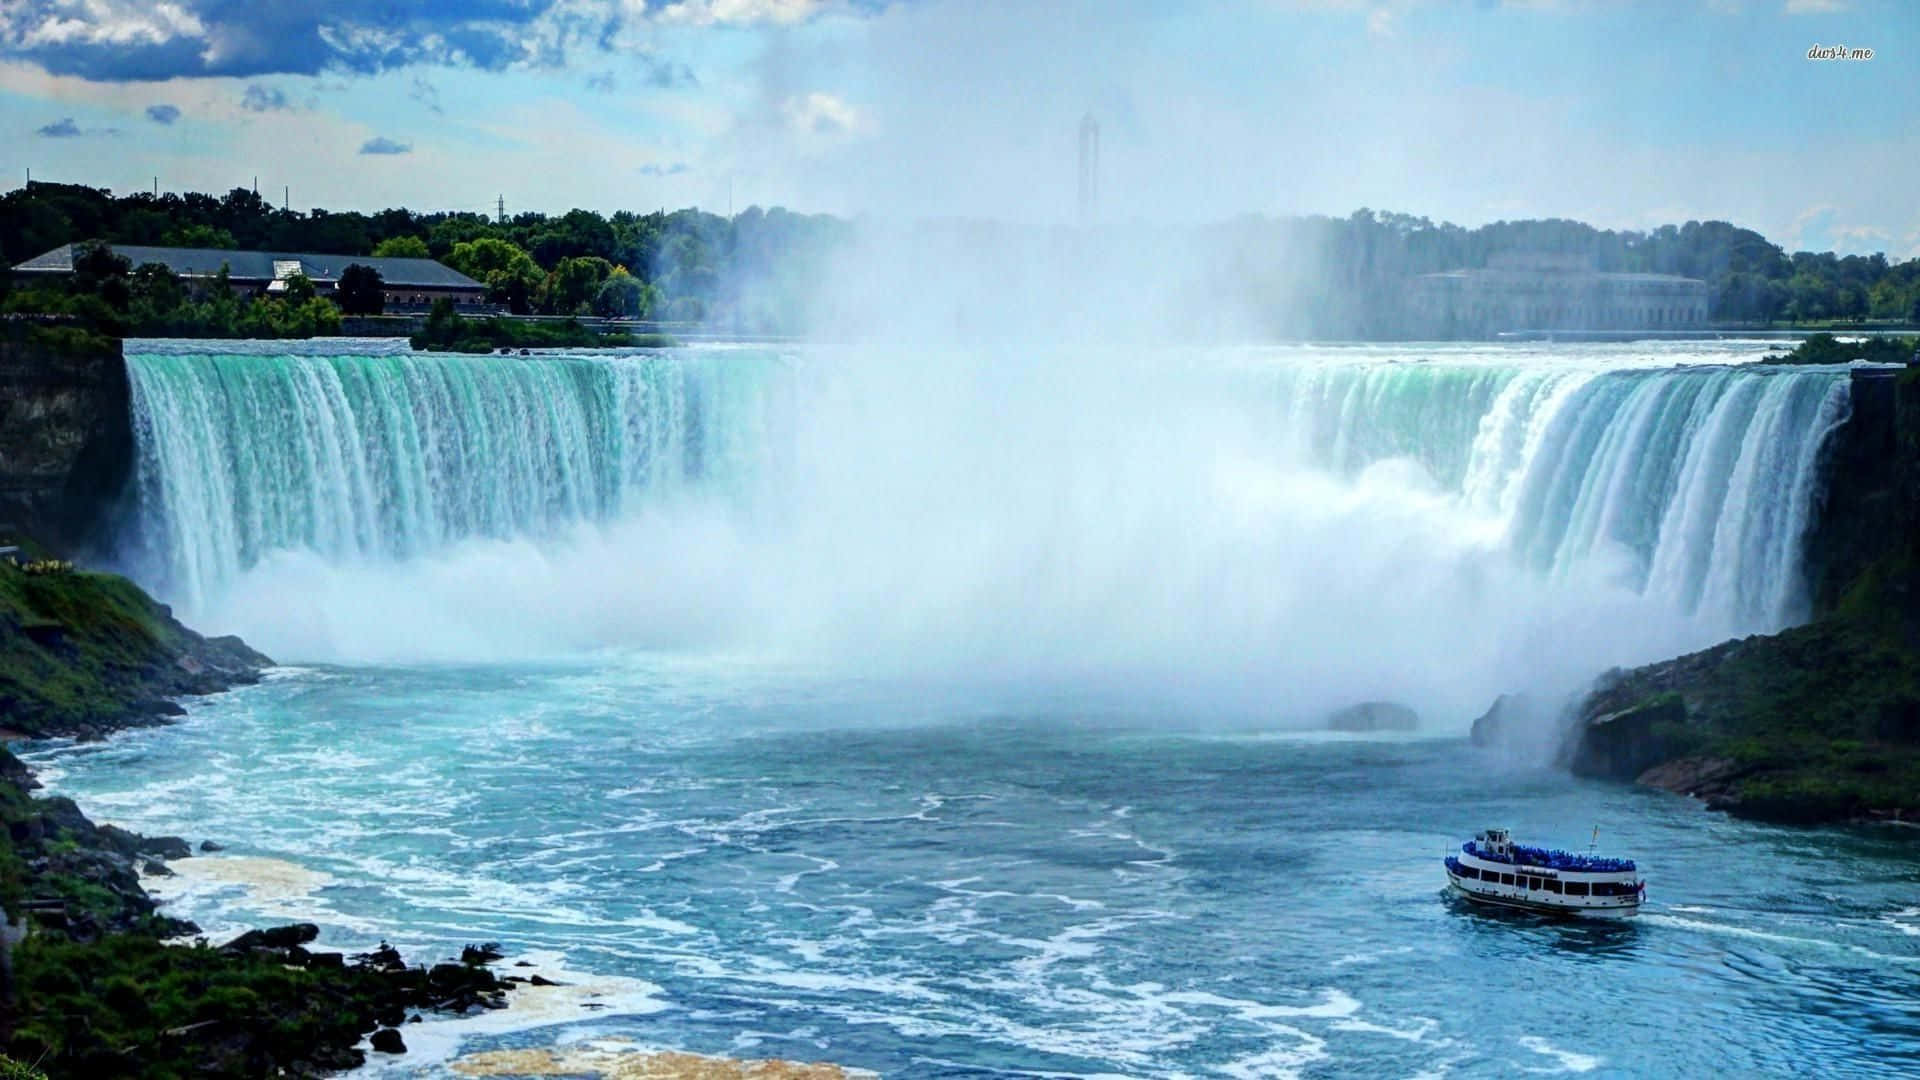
[(1492, 870)]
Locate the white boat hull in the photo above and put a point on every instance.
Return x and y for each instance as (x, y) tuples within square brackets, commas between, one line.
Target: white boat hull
[(1626, 909)]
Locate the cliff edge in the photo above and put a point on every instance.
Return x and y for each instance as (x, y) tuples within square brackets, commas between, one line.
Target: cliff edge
[(66, 433), (1821, 722)]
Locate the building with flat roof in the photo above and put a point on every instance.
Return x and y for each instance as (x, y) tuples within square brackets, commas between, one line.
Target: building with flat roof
[(1520, 291), (410, 283)]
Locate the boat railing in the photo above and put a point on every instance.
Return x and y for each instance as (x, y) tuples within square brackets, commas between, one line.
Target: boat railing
[(1553, 859)]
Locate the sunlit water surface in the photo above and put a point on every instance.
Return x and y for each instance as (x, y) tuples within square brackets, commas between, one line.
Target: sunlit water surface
[(929, 884)]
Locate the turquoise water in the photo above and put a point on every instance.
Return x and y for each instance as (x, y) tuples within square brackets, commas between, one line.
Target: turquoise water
[(949, 714), (928, 884)]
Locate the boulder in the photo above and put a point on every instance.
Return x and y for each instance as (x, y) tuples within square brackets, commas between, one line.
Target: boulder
[(165, 847), (481, 954), (387, 1041), (1374, 716), (274, 937)]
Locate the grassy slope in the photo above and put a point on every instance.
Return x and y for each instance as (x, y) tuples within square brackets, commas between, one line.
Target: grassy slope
[(82, 652)]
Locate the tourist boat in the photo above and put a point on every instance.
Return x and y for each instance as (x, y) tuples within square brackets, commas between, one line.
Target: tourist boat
[(1491, 869)]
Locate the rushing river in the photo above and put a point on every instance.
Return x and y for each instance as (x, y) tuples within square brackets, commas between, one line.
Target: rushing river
[(951, 717)]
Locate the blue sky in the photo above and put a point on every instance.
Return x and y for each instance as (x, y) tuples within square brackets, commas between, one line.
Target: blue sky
[(1626, 115)]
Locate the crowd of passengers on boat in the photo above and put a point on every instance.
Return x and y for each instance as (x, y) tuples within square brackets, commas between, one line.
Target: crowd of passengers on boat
[(1553, 860)]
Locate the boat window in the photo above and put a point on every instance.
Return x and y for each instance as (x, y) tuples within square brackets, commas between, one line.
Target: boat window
[(1506, 879), (1552, 885), (1576, 888), (1469, 872), (1533, 883)]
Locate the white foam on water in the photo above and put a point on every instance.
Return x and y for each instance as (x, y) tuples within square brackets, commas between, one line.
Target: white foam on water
[(1784, 939), (1911, 929), (1351, 959), (1336, 1005), (1423, 1026), (434, 1043), (621, 1059), (1569, 1061), (227, 894), (1279, 1061)]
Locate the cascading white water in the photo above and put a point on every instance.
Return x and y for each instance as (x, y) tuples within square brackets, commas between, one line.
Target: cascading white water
[(373, 453), (1279, 522)]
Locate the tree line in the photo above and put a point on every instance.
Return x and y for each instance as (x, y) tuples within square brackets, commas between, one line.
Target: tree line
[(1342, 277)]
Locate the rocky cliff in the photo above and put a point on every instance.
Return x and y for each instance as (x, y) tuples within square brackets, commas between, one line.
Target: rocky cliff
[(66, 436), (83, 653), (1820, 722)]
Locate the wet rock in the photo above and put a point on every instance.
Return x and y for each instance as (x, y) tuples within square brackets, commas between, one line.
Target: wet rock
[(1500, 724), (155, 869), (481, 954), (208, 845), (387, 1041), (325, 960), (1622, 744), (541, 980), (274, 937), (165, 847), (384, 958)]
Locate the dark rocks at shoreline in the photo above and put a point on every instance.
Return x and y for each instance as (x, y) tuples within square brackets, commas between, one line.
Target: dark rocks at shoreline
[(262, 1004), (1370, 716), (388, 1041), (1816, 724), (277, 937)]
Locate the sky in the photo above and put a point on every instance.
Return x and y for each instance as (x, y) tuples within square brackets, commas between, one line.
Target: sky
[(1620, 114)]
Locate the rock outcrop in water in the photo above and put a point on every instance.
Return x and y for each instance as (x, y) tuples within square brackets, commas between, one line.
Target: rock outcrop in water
[(1374, 716), (1820, 722)]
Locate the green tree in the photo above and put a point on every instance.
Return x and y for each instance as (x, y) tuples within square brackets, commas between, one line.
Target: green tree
[(361, 290), (402, 247), (299, 288), (100, 272), (573, 285), (195, 235), (623, 296), (508, 272)]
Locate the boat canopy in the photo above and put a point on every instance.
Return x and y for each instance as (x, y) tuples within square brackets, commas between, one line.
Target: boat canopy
[(1523, 855)]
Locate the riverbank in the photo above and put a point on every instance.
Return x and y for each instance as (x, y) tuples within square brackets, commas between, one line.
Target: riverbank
[(83, 654), (89, 985)]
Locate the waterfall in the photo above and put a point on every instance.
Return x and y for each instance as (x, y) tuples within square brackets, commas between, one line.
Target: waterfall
[(361, 454), (1701, 477), (914, 487)]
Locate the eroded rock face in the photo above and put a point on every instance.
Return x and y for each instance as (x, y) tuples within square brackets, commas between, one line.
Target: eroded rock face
[(1625, 743), (1500, 725), (1374, 716), (66, 434)]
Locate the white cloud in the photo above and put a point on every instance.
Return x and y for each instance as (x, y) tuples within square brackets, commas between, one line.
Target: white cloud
[(100, 22), (823, 114), (1815, 7), (740, 12)]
